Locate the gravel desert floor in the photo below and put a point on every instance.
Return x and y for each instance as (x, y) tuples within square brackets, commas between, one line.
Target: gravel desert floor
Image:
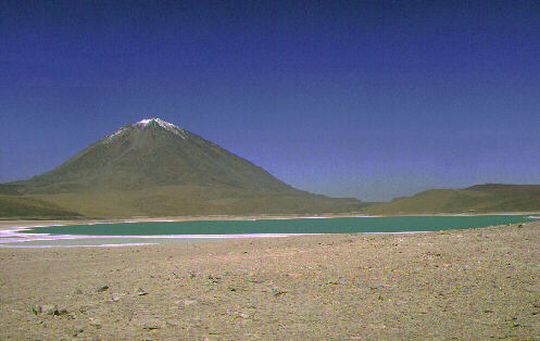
[(461, 284)]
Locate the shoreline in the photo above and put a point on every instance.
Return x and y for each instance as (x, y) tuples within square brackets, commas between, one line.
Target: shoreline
[(11, 223), (12, 233)]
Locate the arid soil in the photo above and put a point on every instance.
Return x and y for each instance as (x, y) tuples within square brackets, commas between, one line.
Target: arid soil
[(477, 283)]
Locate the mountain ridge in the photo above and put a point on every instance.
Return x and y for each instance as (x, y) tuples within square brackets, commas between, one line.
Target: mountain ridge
[(484, 198)]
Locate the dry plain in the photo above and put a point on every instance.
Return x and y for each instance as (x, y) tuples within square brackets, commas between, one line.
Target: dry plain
[(461, 284)]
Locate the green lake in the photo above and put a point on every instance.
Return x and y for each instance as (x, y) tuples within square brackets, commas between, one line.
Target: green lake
[(287, 226)]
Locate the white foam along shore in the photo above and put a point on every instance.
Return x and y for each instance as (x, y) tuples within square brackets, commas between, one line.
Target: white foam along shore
[(15, 235), (10, 237), (75, 246)]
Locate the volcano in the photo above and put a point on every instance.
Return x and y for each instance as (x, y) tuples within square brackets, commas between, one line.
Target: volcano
[(153, 167)]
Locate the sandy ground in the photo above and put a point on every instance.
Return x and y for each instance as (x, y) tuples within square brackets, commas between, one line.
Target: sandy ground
[(476, 283)]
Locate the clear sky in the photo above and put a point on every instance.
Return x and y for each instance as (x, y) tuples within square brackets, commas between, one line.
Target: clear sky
[(372, 99)]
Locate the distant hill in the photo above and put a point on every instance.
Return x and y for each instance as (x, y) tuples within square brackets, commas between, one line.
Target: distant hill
[(155, 168), (479, 199), (21, 207)]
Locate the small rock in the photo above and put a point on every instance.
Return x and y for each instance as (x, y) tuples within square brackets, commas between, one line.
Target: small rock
[(84, 309), (189, 302), (77, 331), (140, 292), (184, 303), (242, 315), (276, 292), (151, 327), (214, 279), (151, 324), (171, 323), (115, 297), (376, 287), (95, 323), (103, 288), (49, 309), (61, 312)]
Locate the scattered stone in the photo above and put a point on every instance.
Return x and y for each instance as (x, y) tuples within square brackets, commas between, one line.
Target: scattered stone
[(95, 323), (214, 279), (77, 331), (85, 308), (242, 315), (49, 309), (151, 324), (184, 303), (520, 226), (103, 288), (277, 292), (141, 292), (189, 302), (171, 323), (115, 297), (61, 312), (151, 327), (376, 287)]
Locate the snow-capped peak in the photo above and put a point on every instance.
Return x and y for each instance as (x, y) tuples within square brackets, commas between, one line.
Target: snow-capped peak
[(163, 124), (144, 123)]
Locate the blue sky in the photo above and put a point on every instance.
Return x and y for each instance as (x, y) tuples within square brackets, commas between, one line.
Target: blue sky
[(371, 99)]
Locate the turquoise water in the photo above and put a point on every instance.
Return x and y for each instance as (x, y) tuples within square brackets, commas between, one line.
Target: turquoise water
[(328, 225)]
